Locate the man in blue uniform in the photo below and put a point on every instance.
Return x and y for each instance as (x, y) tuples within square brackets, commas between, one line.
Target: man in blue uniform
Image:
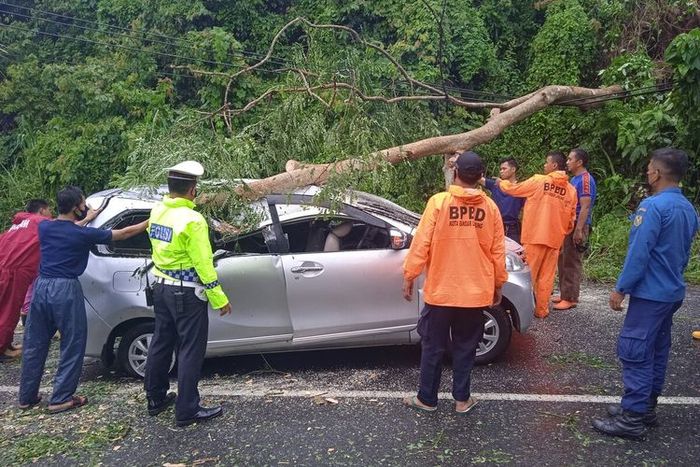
[(570, 263), (509, 206), (58, 302), (186, 281), (659, 249)]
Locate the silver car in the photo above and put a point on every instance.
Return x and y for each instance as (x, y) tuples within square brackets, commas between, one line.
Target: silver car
[(310, 276)]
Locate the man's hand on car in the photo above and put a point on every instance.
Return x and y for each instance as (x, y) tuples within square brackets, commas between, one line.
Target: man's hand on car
[(225, 310)]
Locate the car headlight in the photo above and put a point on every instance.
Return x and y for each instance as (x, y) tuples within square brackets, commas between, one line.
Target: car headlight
[(514, 262)]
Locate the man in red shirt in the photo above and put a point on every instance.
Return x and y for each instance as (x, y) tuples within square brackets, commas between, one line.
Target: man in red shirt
[(19, 262)]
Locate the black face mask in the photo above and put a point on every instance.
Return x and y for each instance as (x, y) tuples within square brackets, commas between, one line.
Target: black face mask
[(80, 214)]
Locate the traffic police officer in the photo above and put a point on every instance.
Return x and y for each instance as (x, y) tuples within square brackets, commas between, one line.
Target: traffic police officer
[(659, 249), (186, 280)]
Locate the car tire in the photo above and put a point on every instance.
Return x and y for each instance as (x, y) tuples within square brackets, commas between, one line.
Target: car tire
[(133, 349), (497, 333)]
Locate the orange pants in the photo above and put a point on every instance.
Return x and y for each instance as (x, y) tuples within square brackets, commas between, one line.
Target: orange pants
[(543, 266)]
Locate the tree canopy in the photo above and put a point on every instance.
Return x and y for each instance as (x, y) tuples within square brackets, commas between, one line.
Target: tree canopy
[(101, 93)]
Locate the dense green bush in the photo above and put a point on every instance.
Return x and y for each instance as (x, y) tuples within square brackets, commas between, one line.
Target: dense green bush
[(111, 92)]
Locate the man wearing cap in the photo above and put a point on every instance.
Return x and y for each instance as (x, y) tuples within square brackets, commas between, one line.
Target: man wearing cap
[(461, 245), (549, 214), (186, 280)]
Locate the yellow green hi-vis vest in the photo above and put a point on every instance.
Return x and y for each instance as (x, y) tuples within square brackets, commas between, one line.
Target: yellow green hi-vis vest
[(181, 249)]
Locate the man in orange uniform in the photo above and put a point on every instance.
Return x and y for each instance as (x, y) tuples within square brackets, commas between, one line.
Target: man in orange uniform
[(460, 241), (549, 215)]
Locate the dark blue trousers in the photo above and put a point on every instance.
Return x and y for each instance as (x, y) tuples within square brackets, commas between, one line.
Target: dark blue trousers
[(643, 349), (57, 304), (181, 325), (466, 326), (512, 230)]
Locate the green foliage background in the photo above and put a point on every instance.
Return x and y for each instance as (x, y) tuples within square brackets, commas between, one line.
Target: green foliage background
[(100, 93)]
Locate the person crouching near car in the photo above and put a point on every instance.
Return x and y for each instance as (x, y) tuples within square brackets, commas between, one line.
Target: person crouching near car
[(58, 302), (186, 280), (461, 245)]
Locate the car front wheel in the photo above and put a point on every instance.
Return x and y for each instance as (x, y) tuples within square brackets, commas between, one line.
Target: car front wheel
[(497, 332), (133, 350)]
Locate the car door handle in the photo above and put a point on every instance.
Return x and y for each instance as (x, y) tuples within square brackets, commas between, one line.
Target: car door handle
[(301, 269)]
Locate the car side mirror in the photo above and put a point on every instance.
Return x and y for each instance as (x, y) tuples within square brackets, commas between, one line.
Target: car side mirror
[(399, 240)]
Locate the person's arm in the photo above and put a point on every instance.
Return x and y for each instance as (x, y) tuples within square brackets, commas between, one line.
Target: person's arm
[(579, 231), (498, 256), (128, 232), (489, 183), (644, 234), (199, 250), (91, 214), (522, 189), (419, 252)]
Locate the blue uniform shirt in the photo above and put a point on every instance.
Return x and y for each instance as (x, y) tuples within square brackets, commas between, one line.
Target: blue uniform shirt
[(659, 248), (585, 187), (65, 248), (509, 206)]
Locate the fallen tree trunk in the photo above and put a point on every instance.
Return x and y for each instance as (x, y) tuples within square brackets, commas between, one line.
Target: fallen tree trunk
[(299, 174)]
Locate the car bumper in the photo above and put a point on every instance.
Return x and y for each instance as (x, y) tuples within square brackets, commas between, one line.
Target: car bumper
[(518, 291)]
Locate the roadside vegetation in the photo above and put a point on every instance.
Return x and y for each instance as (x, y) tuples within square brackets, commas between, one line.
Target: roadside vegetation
[(106, 93)]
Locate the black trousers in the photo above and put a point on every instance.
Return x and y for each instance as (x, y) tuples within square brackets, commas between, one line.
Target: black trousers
[(434, 326), (181, 323)]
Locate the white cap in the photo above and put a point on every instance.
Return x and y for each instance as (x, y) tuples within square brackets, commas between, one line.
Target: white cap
[(192, 168)]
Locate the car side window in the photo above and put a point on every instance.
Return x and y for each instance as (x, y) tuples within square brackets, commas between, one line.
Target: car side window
[(138, 245), (253, 242), (324, 234)]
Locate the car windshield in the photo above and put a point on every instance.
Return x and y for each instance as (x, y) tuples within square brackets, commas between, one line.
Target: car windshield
[(377, 205)]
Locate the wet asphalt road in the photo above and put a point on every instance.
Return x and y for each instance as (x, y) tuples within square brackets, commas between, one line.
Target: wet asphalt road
[(570, 353)]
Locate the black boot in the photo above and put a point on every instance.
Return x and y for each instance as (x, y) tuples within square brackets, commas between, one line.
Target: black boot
[(650, 418), (626, 425), (157, 406)]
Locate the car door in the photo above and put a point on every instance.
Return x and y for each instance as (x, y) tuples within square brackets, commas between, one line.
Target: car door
[(346, 283), (253, 279), (250, 275)]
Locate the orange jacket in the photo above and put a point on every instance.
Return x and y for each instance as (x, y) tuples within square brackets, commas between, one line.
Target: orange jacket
[(550, 209), (460, 242)]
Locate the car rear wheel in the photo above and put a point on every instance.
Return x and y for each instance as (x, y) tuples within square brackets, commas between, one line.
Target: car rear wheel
[(497, 333), (133, 350)]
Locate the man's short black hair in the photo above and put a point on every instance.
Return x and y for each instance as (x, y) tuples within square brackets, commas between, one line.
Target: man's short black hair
[(510, 161), (558, 158), (68, 199), (581, 155), (36, 205), (673, 161), (181, 185)]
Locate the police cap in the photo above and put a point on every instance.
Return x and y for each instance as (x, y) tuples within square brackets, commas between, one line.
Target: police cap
[(188, 170)]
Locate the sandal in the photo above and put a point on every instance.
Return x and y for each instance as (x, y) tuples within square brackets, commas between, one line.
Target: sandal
[(36, 402), (73, 403), (414, 403), (471, 402)]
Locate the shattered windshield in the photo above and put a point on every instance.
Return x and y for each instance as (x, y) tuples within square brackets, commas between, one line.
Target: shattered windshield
[(378, 205)]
